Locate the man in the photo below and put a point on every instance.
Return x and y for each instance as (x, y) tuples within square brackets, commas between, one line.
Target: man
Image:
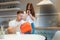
[(14, 24)]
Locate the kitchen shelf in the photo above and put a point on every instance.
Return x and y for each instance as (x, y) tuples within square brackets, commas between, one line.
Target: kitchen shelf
[(7, 16), (12, 2), (9, 9), (47, 28)]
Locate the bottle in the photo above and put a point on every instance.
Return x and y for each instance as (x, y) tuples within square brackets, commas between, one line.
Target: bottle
[(2, 33)]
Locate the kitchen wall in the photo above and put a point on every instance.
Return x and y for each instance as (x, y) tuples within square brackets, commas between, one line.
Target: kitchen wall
[(34, 2), (23, 7), (6, 16), (57, 5)]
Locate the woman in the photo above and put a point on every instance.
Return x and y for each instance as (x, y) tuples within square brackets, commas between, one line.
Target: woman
[(30, 15)]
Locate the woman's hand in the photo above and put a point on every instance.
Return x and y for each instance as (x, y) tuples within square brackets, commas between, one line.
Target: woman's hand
[(28, 12)]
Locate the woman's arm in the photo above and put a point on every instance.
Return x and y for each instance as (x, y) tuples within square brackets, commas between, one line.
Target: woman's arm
[(33, 18)]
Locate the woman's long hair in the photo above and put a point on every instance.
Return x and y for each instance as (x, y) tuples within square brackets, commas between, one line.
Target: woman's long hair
[(31, 9)]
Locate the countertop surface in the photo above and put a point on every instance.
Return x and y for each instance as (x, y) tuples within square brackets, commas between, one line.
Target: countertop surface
[(23, 37)]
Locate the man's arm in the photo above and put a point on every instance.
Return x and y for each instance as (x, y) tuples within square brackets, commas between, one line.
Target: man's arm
[(11, 29)]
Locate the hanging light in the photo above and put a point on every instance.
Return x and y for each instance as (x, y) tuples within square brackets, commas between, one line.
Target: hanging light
[(43, 2)]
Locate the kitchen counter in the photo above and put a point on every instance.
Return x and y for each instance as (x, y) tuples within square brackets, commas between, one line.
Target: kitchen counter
[(23, 37)]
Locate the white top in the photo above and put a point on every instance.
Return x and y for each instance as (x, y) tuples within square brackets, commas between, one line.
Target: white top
[(28, 18), (15, 23)]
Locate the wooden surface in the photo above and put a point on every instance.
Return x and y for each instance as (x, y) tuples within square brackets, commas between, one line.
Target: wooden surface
[(47, 28)]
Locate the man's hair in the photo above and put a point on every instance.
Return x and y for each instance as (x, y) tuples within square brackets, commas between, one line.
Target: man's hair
[(20, 12)]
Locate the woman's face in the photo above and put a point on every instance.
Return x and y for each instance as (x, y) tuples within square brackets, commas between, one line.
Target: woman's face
[(28, 12), (29, 7)]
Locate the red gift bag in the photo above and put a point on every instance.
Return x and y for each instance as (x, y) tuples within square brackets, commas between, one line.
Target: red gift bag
[(25, 27)]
